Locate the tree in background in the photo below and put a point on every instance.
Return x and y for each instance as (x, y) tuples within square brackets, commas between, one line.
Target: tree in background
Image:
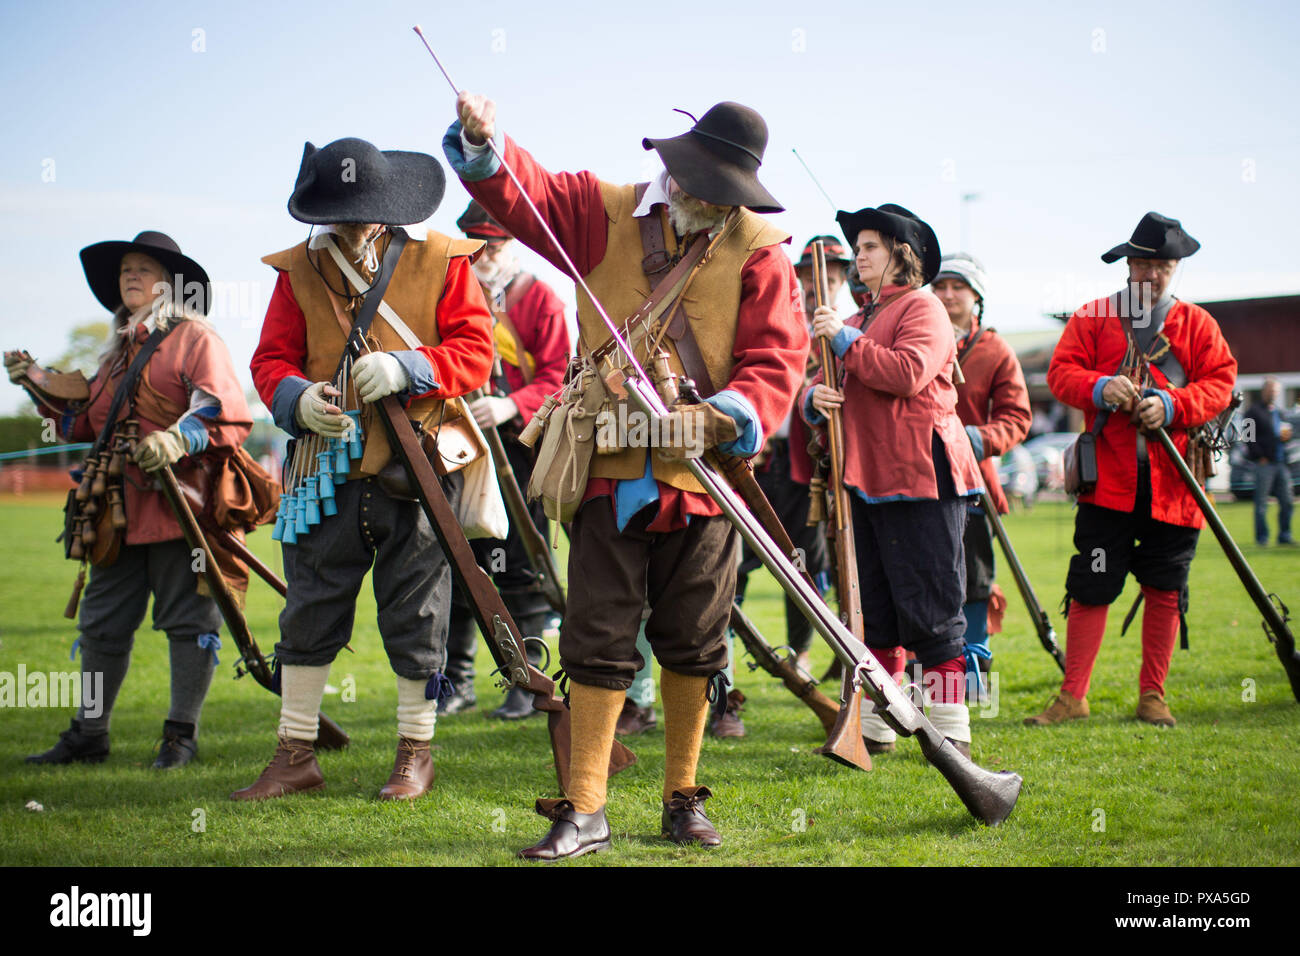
[(85, 342)]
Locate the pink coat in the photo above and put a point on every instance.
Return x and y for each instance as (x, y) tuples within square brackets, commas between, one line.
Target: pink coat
[(897, 392)]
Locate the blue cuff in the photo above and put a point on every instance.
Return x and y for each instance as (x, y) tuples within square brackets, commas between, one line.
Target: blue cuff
[(418, 369), (810, 414), (750, 438), (1164, 397), (194, 432), (843, 339), (1098, 389), (483, 166), (976, 441), (285, 402)]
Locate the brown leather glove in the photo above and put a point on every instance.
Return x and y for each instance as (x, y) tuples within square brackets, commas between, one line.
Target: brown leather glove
[(688, 431)]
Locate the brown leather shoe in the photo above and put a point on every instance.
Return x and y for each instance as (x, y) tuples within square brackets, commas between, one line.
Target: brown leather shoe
[(879, 746), (1153, 710), (293, 769), (684, 820), (729, 724), (634, 719), (1065, 707), (571, 834), (412, 774)]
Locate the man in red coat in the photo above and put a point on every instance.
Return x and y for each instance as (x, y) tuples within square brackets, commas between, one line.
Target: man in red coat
[(993, 404), (532, 345), (645, 530), (431, 341), (1140, 517)]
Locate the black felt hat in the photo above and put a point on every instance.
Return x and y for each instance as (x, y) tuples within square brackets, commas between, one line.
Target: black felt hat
[(1156, 237), (351, 180), (102, 263), (833, 249), (898, 223), (477, 224), (717, 159)]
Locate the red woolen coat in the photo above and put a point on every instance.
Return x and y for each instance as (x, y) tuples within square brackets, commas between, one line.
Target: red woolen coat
[(995, 400), (1091, 348), (898, 391)]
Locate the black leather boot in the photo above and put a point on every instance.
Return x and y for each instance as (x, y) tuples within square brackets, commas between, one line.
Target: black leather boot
[(75, 747), (178, 746), (518, 705), (571, 834)]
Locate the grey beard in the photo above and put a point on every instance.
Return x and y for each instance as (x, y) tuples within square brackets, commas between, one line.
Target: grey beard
[(688, 215)]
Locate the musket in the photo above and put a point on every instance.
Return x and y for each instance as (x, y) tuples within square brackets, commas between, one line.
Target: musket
[(331, 736), (784, 669), (1275, 615), (539, 554), (1046, 633), (844, 741), (503, 638), (990, 797)]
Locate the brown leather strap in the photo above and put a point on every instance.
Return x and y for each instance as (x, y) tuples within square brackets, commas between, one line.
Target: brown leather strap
[(678, 326)]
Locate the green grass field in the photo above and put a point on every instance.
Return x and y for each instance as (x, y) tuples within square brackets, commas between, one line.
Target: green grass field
[(1215, 790)]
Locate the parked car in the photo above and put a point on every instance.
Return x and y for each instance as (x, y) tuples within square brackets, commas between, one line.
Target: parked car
[(1241, 470), (1048, 452), (1018, 476)]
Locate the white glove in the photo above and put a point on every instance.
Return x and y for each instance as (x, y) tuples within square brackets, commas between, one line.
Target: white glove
[(317, 413), (378, 374), (490, 411), (159, 449), (17, 364)]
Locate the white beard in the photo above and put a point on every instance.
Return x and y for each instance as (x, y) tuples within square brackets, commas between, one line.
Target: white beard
[(689, 215), (495, 274)]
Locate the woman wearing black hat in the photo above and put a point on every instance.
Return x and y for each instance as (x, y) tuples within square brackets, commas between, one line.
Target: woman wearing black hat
[(907, 459), (187, 401)]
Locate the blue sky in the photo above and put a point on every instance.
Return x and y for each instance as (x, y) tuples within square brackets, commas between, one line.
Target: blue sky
[(1069, 122)]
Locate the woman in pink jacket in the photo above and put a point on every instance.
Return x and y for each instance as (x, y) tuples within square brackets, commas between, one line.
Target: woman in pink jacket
[(907, 461)]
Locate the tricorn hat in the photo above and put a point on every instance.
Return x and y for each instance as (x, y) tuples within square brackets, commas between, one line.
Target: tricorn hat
[(102, 263), (1156, 237), (351, 180), (898, 223), (717, 159), (833, 248), (477, 224)]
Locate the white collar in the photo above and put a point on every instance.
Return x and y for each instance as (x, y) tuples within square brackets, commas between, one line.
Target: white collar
[(419, 232), (656, 192)]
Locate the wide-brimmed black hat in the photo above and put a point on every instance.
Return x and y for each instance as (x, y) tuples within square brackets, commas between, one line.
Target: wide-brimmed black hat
[(351, 180), (1156, 237), (898, 223), (103, 265), (477, 224), (717, 159)]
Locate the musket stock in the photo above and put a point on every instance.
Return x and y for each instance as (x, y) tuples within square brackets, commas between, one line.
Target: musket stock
[(1275, 616), (802, 685), (330, 735)]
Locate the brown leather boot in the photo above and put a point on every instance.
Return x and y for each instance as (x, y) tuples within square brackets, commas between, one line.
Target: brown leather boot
[(684, 821), (635, 720), (293, 769), (1065, 707), (729, 724), (412, 774), (1153, 710)]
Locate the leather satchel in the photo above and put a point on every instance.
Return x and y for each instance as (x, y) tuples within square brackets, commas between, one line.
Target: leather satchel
[(1080, 460)]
